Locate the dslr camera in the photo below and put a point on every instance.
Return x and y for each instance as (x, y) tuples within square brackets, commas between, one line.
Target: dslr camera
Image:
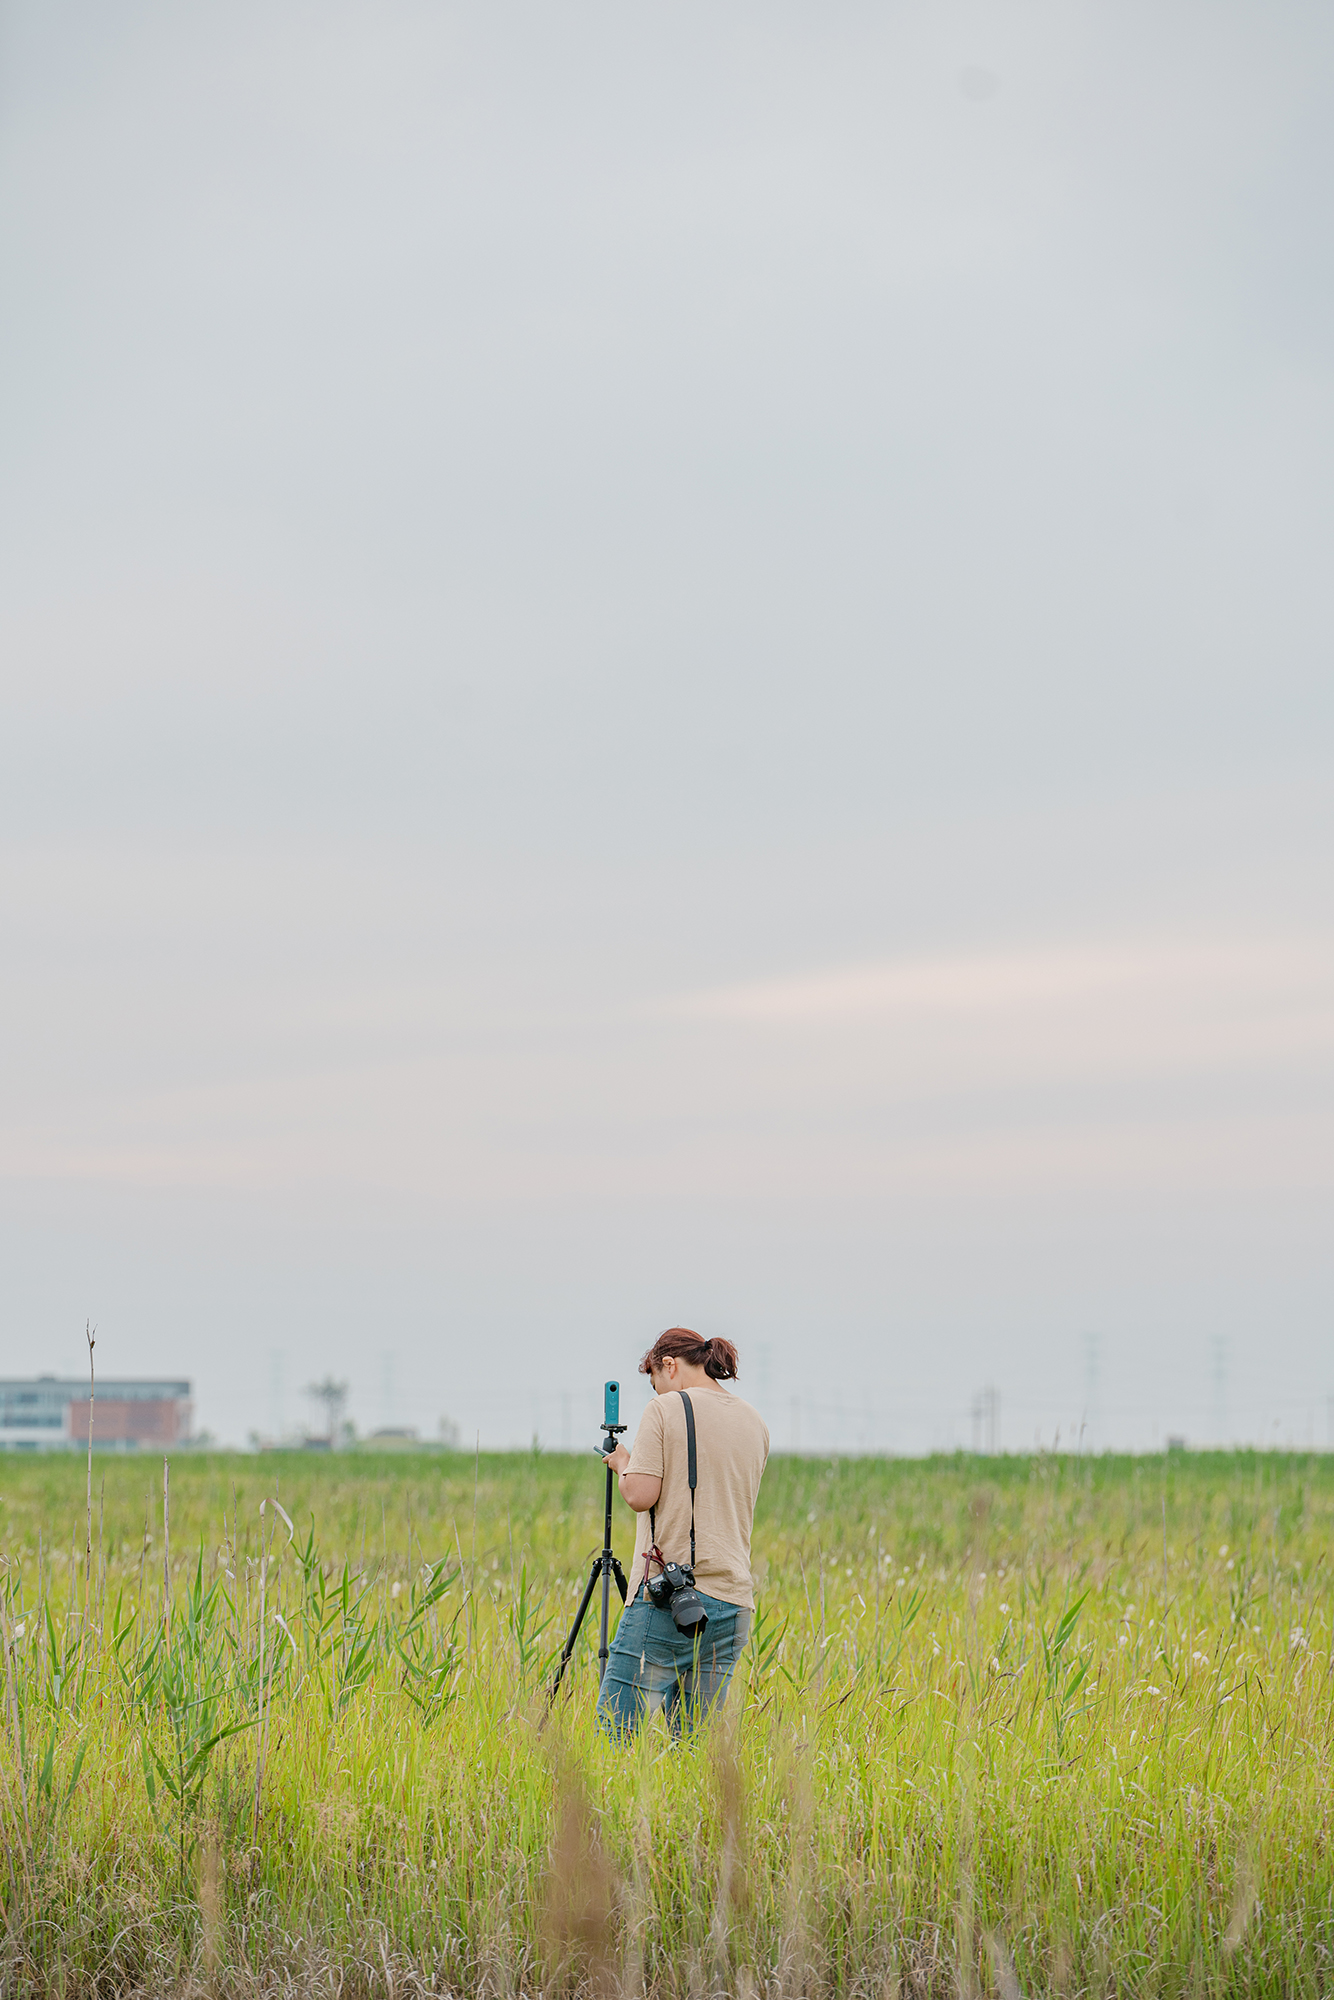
[(674, 1590)]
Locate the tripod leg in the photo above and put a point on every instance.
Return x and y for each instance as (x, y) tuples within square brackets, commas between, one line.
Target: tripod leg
[(584, 1603), (603, 1648), (607, 1563), (621, 1584)]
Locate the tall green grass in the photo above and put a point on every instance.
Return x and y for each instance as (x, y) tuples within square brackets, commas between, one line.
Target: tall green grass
[(1013, 1725)]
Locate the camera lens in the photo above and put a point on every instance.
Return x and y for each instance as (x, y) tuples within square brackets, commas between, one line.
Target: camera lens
[(687, 1609)]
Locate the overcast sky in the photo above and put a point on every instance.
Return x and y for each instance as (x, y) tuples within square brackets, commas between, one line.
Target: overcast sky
[(671, 664)]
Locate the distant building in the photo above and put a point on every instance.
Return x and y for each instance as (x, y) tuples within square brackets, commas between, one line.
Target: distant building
[(393, 1437), (50, 1413)]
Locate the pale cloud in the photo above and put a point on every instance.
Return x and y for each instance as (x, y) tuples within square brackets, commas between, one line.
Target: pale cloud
[(1284, 973), (1134, 1066)]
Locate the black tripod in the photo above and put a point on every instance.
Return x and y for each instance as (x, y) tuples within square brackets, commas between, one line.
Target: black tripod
[(607, 1566)]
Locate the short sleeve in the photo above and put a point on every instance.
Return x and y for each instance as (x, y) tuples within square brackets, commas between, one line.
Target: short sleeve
[(646, 1453)]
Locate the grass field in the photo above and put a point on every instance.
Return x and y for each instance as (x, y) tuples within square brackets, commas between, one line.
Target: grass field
[(1017, 1725)]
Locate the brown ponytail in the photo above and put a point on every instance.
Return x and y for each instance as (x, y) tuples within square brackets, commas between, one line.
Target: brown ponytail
[(717, 1358)]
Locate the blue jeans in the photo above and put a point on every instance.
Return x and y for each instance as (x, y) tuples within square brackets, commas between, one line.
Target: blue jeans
[(652, 1665)]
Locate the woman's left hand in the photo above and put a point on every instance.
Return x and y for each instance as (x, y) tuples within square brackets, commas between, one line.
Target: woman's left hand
[(618, 1459)]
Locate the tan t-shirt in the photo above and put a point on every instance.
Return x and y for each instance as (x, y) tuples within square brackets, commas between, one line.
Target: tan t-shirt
[(731, 1446)]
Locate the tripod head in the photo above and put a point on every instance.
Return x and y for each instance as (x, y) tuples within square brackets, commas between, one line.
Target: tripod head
[(611, 1410)]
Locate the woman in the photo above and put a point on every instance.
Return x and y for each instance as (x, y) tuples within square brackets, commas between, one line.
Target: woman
[(653, 1664)]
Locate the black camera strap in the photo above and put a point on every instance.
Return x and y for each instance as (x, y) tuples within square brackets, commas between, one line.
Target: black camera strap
[(692, 1474)]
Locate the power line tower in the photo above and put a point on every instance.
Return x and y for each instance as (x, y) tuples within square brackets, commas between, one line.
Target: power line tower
[(276, 1394), (330, 1397), (985, 1414), (1092, 1413), (1219, 1347), (764, 1373)]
